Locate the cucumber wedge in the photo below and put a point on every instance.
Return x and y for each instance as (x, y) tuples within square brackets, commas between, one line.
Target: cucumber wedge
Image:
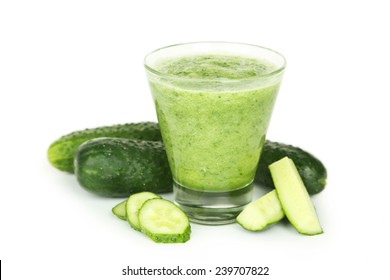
[(164, 222), (119, 210), (294, 198), (261, 213), (134, 203)]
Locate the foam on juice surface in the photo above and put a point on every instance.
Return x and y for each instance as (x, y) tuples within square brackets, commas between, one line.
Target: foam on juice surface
[(215, 67)]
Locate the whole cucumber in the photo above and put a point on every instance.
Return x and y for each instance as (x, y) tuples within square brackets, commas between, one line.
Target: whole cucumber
[(61, 152), (311, 169), (118, 167)]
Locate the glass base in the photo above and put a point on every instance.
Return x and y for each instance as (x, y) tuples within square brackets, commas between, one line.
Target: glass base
[(212, 208)]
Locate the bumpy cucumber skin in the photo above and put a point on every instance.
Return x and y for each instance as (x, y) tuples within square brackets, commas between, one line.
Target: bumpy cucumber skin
[(163, 238), (61, 152), (116, 167), (311, 169), (168, 238)]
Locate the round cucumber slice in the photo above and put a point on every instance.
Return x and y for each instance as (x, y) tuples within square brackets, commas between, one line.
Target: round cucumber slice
[(133, 205), (164, 222)]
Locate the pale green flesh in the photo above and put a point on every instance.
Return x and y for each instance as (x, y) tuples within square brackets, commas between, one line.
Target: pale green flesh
[(261, 213), (294, 197), (134, 204), (119, 210), (162, 216), (163, 221)]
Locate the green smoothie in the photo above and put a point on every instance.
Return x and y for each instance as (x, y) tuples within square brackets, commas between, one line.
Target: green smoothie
[(214, 111)]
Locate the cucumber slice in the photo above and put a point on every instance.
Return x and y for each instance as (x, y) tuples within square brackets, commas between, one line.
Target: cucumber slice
[(164, 222), (119, 210), (294, 197), (261, 213), (134, 203)]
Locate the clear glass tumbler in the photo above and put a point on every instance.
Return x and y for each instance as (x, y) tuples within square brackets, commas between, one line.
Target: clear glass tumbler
[(214, 102)]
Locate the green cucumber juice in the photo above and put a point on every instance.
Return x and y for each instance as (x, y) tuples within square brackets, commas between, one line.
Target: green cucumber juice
[(214, 111)]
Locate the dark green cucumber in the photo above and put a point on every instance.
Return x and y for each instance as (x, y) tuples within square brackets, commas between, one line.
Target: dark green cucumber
[(61, 152), (311, 169), (117, 167)]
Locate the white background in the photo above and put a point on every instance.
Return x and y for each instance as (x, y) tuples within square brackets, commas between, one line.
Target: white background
[(69, 65)]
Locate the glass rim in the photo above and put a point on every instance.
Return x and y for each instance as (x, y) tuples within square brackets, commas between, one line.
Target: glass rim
[(278, 69)]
